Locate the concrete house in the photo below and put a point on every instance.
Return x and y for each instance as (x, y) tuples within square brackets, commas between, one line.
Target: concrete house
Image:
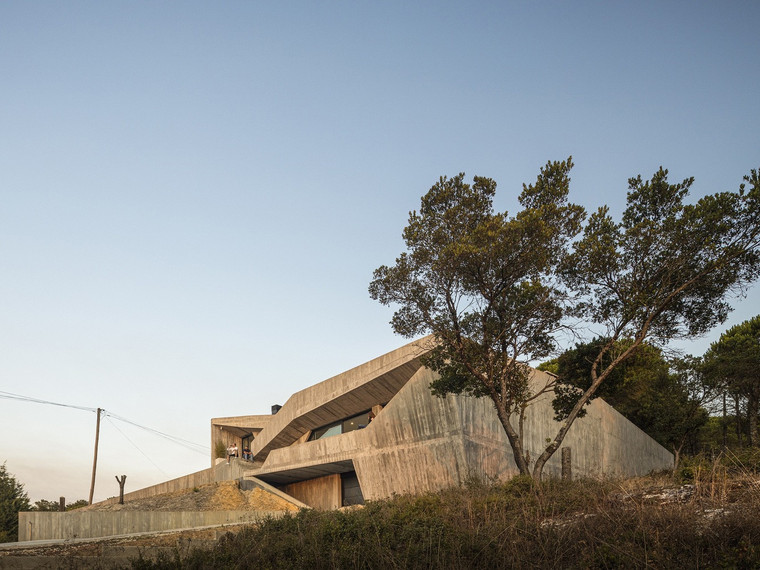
[(377, 430), (368, 433)]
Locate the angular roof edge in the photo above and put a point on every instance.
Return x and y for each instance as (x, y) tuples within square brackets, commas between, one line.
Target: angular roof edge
[(388, 372)]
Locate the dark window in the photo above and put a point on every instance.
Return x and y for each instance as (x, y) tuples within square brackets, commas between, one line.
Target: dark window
[(357, 422), (352, 492), (349, 424)]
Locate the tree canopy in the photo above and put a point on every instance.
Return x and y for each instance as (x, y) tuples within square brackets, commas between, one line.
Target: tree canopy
[(493, 289), (483, 283), (665, 271), (665, 397), (13, 499), (733, 363)]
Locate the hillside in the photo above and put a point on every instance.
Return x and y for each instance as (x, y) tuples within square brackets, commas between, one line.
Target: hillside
[(706, 516), (222, 496)]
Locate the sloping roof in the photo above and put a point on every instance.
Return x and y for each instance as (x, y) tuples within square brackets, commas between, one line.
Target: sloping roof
[(351, 392)]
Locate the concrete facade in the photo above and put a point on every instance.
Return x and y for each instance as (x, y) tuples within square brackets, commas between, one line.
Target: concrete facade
[(418, 442), (96, 524), (321, 449)]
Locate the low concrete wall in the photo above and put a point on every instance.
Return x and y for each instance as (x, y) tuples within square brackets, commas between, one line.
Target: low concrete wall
[(93, 524)]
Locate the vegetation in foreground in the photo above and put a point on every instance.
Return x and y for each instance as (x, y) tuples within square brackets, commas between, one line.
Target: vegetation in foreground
[(706, 516)]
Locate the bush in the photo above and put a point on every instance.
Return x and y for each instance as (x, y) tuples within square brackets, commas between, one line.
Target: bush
[(13, 499), (555, 524)]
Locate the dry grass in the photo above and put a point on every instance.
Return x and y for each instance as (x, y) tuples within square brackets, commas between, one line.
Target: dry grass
[(222, 496), (706, 516)]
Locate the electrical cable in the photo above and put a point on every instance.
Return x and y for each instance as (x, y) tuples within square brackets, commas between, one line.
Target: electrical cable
[(192, 446), (110, 421), (11, 396)]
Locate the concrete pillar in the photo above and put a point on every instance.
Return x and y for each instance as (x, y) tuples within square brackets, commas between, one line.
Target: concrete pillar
[(567, 464)]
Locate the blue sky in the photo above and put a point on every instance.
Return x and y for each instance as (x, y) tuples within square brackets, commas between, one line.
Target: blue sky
[(194, 195)]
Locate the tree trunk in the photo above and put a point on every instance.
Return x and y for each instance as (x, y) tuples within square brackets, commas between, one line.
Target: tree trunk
[(596, 381), (515, 441), (677, 455), (738, 416), (725, 423), (752, 436), (121, 487)]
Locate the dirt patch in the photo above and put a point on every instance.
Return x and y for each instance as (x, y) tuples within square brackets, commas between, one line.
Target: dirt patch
[(221, 496)]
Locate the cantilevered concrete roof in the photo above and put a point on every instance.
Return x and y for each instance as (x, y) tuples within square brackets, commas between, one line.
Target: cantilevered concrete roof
[(341, 396), (241, 426), (303, 472)]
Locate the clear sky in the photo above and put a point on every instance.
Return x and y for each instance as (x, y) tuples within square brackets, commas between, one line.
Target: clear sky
[(194, 195)]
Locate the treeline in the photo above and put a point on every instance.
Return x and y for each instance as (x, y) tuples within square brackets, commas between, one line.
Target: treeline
[(688, 404), (13, 499)]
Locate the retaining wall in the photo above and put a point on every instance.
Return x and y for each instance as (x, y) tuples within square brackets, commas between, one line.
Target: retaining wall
[(221, 472), (93, 524)]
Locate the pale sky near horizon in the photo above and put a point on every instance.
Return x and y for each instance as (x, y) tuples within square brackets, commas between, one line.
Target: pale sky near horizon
[(195, 194)]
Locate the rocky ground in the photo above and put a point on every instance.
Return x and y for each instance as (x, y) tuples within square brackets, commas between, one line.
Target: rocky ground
[(222, 496)]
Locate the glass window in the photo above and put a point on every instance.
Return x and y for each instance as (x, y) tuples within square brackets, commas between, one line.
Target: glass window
[(350, 424), (326, 431), (357, 422)]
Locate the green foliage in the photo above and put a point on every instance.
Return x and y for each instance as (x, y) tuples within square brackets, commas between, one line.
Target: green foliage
[(53, 506), (664, 271), (77, 504), (482, 283), (493, 289), (13, 499), (44, 505), (220, 450), (661, 396), (733, 364)]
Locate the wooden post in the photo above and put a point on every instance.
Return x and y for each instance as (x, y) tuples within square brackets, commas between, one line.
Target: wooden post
[(567, 464), (62, 504), (95, 458), (121, 487)]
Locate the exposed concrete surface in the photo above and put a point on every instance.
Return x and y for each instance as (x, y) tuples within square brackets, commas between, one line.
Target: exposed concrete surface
[(109, 552), (252, 483), (96, 524), (419, 442)]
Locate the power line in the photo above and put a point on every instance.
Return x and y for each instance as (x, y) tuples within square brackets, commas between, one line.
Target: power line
[(11, 396), (196, 447), (135, 446), (191, 445)]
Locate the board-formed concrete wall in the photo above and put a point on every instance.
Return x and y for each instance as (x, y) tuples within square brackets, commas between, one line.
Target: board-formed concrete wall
[(94, 524), (323, 493), (431, 443), (419, 443)]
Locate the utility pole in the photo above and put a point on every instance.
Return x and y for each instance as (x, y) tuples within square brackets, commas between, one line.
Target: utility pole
[(95, 458)]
